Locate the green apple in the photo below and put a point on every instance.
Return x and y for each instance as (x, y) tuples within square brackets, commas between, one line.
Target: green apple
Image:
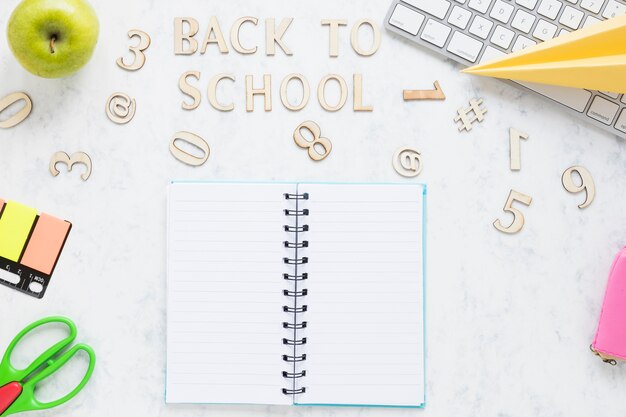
[(53, 38)]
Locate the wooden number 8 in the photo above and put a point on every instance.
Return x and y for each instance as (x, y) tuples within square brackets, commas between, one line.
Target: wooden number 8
[(302, 142), (586, 185), (140, 57)]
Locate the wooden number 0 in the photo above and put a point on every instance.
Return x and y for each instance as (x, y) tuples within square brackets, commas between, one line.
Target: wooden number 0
[(21, 115), (518, 217), (140, 57), (586, 185), (302, 142), (186, 157)]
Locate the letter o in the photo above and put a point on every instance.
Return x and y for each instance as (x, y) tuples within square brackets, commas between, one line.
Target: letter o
[(322, 89), (355, 37), (306, 92)]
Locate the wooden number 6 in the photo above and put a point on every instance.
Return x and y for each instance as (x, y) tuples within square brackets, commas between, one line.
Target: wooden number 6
[(21, 115), (586, 185), (140, 57), (302, 142), (76, 158), (518, 217)]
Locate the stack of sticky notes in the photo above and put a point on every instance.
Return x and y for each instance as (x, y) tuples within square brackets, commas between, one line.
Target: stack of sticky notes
[(30, 246)]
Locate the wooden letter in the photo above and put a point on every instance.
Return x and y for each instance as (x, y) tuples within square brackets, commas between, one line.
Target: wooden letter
[(180, 37), (322, 88), (306, 92), (213, 92), (214, 27), (355, 37), (334, 34), (273, 37), (266, 91), (234, 35), (358, 94), (190, 90)]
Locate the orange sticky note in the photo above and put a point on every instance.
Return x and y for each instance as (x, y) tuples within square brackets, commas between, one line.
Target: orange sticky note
[(46, 243)]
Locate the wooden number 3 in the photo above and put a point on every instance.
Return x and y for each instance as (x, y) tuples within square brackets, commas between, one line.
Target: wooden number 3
[(140, 57), (76, 158), (302, 142), (518, 217)]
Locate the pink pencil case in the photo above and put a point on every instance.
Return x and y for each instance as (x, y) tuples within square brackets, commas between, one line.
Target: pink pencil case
[(610, 340)]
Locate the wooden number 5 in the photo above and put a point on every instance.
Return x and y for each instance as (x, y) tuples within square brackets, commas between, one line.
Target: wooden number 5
[(518, 217), (140, 57), (76, 158), (302, 142)]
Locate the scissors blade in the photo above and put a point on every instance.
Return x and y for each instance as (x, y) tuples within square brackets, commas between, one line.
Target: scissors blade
[(8, 395)]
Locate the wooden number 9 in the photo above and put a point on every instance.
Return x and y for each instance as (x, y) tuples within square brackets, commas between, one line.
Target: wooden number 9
[(518, 217), (140, 57), (302, 142), (586, 185)]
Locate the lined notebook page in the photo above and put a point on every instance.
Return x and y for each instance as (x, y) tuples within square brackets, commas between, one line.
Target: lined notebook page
[(365, 302), (224, 320)]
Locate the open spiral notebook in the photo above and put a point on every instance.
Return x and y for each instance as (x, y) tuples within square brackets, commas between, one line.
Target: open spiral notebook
[(296, 294)]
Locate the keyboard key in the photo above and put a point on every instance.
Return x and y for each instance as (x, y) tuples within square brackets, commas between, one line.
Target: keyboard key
[(544, 30), (571, 17), (603, 110), (460, 1), (562, 32), (481, 27), (406, 19), (549, 8), (614, 9), (590, 20), (501, 11), (522, 42), (624, 99), (529, 4), (593, 6), (491, 53), (465, 46), (435, 33), (502, 37), (480, 5), (612, 95), (437, 8), (523, 21), (574, 98), (459, 17), (621, 122)]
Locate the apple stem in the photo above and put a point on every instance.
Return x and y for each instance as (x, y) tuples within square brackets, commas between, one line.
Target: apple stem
[(52, 40)]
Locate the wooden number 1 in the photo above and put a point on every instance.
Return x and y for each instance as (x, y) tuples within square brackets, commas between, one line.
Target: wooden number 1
[(515, 137), (518, 218)]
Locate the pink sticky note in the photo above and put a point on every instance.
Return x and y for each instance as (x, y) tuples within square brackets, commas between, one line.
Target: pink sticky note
[(45, 243), (610, 338)]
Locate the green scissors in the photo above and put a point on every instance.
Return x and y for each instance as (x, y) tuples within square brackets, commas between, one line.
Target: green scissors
[(17, 387)]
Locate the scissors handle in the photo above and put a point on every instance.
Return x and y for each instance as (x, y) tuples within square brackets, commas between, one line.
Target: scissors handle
[(28, 401), (8, 373)]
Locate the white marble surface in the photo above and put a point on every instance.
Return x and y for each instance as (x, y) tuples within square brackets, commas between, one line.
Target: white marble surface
[(509, 318)]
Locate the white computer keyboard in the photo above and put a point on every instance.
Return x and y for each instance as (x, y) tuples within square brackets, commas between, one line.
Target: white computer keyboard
[(475, 31)]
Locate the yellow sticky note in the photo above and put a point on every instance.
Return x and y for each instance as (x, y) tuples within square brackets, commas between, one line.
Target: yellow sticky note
[(15, 225), (593, 57)]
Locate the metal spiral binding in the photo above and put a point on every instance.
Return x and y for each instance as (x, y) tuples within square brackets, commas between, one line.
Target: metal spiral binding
[(295, 292)]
